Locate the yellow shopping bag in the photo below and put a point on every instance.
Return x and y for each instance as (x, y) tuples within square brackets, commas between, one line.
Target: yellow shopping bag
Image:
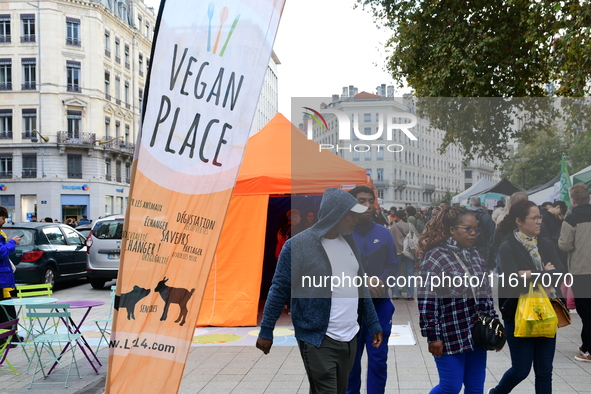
[(535, 316)]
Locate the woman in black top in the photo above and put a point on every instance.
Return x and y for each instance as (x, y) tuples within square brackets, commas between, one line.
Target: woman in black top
[(523, 253)]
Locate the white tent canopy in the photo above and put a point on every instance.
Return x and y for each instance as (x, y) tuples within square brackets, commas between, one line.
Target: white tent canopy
[(475, 189)]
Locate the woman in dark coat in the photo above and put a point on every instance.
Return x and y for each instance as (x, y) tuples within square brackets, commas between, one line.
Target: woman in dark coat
[(524, 254)]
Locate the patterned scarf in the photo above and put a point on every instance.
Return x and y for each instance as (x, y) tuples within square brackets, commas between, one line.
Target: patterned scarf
[(531, 245), (464, 253)]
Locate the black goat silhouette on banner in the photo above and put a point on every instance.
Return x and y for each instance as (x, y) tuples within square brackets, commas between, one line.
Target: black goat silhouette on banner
[(174, 295), (128, 300)]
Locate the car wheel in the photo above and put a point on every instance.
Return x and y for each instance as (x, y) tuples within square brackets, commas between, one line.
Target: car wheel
[(48, 276), (97, 283)]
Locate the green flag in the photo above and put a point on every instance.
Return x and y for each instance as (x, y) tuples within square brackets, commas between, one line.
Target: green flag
[(565, 184)]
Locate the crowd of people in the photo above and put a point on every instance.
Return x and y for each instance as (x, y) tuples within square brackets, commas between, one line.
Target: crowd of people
[(350, 236), (70, 221)]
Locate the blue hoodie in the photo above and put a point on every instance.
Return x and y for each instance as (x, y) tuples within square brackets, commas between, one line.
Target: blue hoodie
[(304, 255)]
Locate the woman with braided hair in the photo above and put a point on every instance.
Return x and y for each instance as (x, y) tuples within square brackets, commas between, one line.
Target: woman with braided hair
[(447, 306)]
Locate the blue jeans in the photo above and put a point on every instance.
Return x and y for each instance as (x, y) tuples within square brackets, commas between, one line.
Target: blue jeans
[(407, 268), (468, 368), (524, 352), (377, 367)]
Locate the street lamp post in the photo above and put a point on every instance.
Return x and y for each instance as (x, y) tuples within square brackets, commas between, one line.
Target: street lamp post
[(45, 139), (121, 145), (523, 168)]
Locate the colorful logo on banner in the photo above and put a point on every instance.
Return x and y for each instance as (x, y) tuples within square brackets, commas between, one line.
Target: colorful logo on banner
[(2, 187), (201, 99)]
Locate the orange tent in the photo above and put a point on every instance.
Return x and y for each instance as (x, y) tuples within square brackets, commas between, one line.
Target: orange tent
[(279, 160)]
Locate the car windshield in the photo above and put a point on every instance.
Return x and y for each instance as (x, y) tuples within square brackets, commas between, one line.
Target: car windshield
[(109, 229), (28, 235)]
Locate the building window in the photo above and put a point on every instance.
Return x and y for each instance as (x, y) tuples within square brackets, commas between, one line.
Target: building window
[(74, 166), (107, 85), (468, 174), (108, 169), (5, 35), (5, 124), (126, 133), (139, 21), (141, 99), (141, 65), (107, 128), (73, 76), (368, 172), (29, 74), (29, 165), (355, 155), (381, 193), (117, 50), (126, 54), (28, 27), (5, 165), (73, 31), (5, 74), (367, 131), (147, 30), (367, 117), (118, 89), (117, 128), (29, 122), (368, 155), (118, 171), (107, 43), (127, 172), (126, 94), (467, 186), (377, 117), (380, 173), (74, 121)]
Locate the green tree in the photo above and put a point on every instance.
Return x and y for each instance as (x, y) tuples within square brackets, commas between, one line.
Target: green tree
[(484, 48)]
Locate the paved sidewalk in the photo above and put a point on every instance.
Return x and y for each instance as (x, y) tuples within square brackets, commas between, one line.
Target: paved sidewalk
[(245, 370)]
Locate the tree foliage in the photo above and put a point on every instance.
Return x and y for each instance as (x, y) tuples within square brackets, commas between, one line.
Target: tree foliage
[(484, 48)]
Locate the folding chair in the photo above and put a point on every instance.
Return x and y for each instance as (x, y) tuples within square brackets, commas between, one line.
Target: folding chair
[(7, 331), (103, 324), (44, 315), (34, 290)]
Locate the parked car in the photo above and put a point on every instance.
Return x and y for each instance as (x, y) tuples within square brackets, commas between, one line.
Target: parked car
[(104, 250), (47, 253), (84, 229)]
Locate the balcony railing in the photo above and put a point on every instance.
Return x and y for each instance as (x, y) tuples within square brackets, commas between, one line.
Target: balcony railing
[(7, 135), (108, 177), (141, 73), (107, 53), (29, 86), (5, 86), (428, 188), (74, 88), (5, 174), (118, 101), (400, 184), (73, 41), (118, 179), (127, 65), (7, 38), (27, 135), (107, 97), (30, 173), (28, 38), (127, 180), (66, 137), (118, 59), (127, 105), (74, 175)]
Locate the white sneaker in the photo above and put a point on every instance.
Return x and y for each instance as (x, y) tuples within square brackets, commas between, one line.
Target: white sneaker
[(491, 391)]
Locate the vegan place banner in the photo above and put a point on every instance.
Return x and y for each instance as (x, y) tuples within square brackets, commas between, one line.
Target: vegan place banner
[(208, 64)]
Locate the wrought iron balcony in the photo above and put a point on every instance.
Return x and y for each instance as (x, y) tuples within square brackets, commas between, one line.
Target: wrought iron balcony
[(5, 174), (5, 86), (108, 177), (107, 53), (29, 86), (73, 41), (381, 183), (28, 38), (400, 184), (30, 173), (27, 135), (107, 97), (7, 38), (118, 59), (74, 175), (428, 188), (7, 135), (74, 88), (72, 138)]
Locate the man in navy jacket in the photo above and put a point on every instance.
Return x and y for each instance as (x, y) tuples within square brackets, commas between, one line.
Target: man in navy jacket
[(378, 259)]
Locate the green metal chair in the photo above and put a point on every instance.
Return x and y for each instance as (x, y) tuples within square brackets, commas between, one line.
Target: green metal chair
[(104, 324), (7, 331), (34, 290), (45, 315)]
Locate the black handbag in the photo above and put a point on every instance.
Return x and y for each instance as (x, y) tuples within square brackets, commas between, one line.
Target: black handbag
[(489, 333)]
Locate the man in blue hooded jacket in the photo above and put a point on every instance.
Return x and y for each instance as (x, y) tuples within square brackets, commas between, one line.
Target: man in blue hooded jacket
[(378, 259), (325, 317), (7, 246)]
